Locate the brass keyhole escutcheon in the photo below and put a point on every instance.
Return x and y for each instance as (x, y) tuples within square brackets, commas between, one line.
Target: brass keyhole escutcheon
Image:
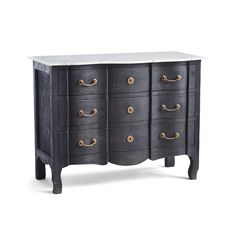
[(130, 110), (130, 80), (130, 139)]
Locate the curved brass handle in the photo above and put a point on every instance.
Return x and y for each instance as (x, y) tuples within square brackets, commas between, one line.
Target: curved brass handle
[(82, 83), (163, 136), (83, 114), (82, 144), (165, 78), (175, 108)]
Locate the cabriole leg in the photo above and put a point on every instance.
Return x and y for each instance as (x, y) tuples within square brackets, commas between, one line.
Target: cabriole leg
[(56, 180), (194, 165)]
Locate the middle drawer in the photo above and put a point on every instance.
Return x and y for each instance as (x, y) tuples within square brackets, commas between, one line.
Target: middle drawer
[(127, 109), (173, 106), (86, 112)]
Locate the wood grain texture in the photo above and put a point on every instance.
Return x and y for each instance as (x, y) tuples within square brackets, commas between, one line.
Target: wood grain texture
[(171, 70), (87, 74), (118, 75), (118, 109)]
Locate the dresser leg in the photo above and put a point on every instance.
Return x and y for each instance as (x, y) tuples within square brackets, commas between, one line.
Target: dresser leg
[(194, 165), (40, 172), (169, 161), (56, 180)]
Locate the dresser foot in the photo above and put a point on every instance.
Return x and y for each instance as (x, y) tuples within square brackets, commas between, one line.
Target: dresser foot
[(40, 172), (56, 180), (169, 161), (193, 168), (57, 189)]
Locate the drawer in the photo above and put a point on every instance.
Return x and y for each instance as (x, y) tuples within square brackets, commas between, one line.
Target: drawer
[(168, 135), (169, 77), (127, 79), (128, 138), (86, 112), (128, 109), (84, 80), (173, 106), (88, 142)]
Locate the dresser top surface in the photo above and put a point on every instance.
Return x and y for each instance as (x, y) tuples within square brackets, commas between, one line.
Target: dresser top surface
[(118, 58)]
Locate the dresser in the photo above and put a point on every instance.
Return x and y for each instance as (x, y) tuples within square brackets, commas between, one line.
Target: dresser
[(118, 108)]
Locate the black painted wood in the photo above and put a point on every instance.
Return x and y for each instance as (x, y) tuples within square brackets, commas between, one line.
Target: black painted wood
[(171, 70), (170, 129), (118, 75), (170, 101), (87, 106), (87, 74), (87, 136), (118, 109), (58, 99), (118, 138)]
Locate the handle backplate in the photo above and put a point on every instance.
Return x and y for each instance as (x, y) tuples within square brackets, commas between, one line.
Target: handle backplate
[(175, 108), (83, 114), (165, 78), (82, 144), (163, 136), (82, 83)]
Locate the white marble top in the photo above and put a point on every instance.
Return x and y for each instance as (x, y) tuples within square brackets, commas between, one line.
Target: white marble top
[(118, 58)]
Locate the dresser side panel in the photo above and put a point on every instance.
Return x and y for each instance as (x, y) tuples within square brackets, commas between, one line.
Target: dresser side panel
[(42, 106), (194, 82)]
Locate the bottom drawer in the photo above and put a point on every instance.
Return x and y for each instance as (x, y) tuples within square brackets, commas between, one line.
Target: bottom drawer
[(172, 134), (127, 138), (87, 142)]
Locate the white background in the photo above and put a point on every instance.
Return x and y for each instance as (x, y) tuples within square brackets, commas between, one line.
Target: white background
[(146, 199)]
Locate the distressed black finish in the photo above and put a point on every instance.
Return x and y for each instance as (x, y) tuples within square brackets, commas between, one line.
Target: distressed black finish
[(129, 120)]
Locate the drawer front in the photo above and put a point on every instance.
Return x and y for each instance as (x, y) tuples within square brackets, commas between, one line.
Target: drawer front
[(127, 79), (128, 138), (169, 135), (172, 106), (86, 112), (128, 109), (88, 142), (83, 81), (171, 77)]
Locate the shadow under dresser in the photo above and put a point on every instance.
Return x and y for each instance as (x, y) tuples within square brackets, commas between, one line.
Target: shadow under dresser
[(117, 108)]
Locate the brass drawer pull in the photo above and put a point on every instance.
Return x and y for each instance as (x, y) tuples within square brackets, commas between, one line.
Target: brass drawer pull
[(130, 80), (163, 136), (82, 83), (175, 108), (82, 144), (165, 78), (130, 139), (130, 110), (83, 114)]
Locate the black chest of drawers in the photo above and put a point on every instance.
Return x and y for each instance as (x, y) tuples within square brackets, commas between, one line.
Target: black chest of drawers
[(121, 112)]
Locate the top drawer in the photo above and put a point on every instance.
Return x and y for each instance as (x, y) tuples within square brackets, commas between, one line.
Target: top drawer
[(128, 78), (85, 80), (169, 77)]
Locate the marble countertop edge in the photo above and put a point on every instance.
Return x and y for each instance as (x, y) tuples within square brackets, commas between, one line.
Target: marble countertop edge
[(118, 58)]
